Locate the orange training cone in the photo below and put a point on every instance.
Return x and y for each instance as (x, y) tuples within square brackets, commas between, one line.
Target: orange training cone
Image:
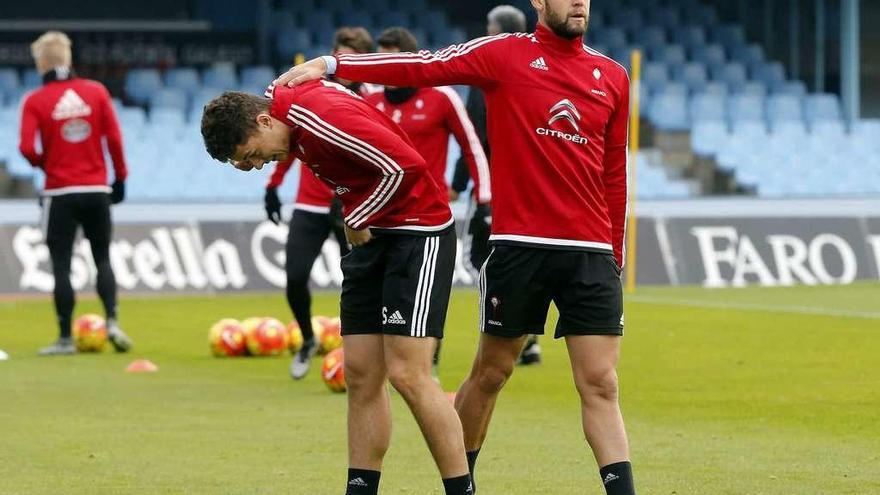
[(141, 366)]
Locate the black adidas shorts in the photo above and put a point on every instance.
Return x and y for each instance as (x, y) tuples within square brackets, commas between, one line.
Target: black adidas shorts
[(518, 283), (398, 284)]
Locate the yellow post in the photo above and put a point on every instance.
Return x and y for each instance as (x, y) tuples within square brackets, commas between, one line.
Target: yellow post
[(299, 58), (631, 228)]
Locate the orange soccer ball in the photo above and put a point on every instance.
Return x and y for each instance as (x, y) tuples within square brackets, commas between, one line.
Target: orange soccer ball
[(89, 333), (295, 336), (268, 338), (322, 325), (333, 370), (227, 338)]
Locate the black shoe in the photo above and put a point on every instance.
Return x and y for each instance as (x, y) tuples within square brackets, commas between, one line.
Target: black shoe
[(299, 366), (118, 339), (531, 353), (63, 347)]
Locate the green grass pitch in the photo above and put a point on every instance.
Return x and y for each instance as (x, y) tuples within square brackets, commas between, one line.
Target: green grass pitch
[(740, 392)]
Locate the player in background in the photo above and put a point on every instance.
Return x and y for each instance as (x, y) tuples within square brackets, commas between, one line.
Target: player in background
[(398, 275), (71, 117), (316, 215), (501, 19), (558, 116), (429, 116)]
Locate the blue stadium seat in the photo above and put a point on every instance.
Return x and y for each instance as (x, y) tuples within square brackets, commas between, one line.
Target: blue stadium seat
[(8, 80), (689, 36), (292, 41), (183, 78), (357, 18), (693, 74), (752, 130), (707, 137), (772, 73), (282, 20), (169, 98), (821, 106), (435, 21), (257, 76), (728, 35), (663, 16), (133, 117), (784, 108), (668, 112), (612, 37), (337, 5), (794, 88), (167, 116), (703, 15), (750, 88), (31, 79), (709, 55), (672, 55), (745, 108), (715, 88), (673, 88), (649, 36), (749, 55), (733, 74), (708, 107), (629, 19), (202, 97), (394, 18), (832, 130), (321, 21), (654, 74), (140, 84), (220, 76), (867, 130)]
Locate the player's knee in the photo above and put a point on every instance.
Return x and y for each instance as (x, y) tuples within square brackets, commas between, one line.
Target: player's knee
[(406, 380), (491, 377), (598, 385), (361, 379)]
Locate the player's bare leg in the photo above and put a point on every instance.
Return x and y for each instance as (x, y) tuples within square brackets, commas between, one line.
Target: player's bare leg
[(408, 361), (476, 397), (369, 413), (593, 362)]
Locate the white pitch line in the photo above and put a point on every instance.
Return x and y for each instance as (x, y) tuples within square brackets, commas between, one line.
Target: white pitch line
[(804, 310)]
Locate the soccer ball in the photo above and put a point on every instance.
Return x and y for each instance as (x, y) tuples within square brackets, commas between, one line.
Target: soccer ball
[(89, 333), (296, 337), (227, 338), (331, 337), (333, 370), (269, 338)]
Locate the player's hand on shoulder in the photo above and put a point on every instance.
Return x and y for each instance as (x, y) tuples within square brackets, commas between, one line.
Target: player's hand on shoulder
[(304, 72), (273, 205), (357, 237), (117, 193)]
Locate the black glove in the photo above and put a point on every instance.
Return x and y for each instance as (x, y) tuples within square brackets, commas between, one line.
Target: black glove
[(482, 217), (118, 192), (336, 216), (273, 205)]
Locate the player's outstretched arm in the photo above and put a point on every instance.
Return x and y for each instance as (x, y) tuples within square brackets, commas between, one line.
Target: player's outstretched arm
[(315, 68)]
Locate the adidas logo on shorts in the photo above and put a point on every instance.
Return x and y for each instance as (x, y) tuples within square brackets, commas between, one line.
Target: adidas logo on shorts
[(396, 319)]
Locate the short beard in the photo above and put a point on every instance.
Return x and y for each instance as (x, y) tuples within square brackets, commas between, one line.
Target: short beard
[(562, 30)]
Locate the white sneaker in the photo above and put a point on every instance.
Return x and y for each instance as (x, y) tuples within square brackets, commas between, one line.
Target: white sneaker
[(299, 366)]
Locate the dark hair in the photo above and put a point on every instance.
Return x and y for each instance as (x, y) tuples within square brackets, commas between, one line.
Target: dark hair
[(356, 38), (400, 38), (229, 120)]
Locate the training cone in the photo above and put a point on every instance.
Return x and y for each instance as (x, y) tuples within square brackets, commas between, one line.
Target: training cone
[(3, 355), (141, 366)]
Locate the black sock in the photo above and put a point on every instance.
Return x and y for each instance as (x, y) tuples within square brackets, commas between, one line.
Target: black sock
[(618, 478), (458, 486), (472, 461), (362, 482)]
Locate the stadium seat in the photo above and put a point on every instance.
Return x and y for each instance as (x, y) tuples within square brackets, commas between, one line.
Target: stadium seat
[(708, 107), (321, 21), (672, 55), (750, 88), (703, 15), (169, 98), (745, 108), (709, 55), (668, 112), (663, 16), (221, 76), (715, 88), (732, 74), (395, 18), (183, 78), (140, 84), (689, 37), (257, 75), (654, 75), (8, 80), (729, 35), (753, 131), (794, 88), (650, 36), (292, 41), (629, 19), (772, 73), (821, 106), (201, 98), (131, 117), (357, 18), (611, 37), (167, 117), (784, 108), (707, 137), (693, 74), (283, 20), (829, 130), (749, 55), (31, 79)]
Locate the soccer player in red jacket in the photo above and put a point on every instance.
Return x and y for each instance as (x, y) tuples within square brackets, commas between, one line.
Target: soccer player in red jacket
[(316, 216), (429, 116), (557, 114), (398, 276), (71, 116)]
